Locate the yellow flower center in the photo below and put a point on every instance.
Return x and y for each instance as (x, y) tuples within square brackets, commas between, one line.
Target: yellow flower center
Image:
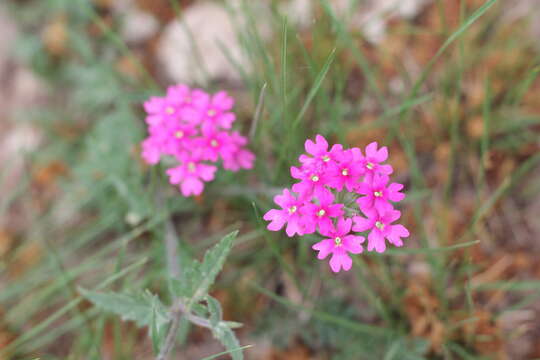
[(321, 213), (179, 134), (187, 100), (314, 178), (379, 225), (337, 241), (214, 143), (211, 112), (378, 193), (292, 209), (345, 172), (370, 166), (326, 158), (169, 110), (191, 167)]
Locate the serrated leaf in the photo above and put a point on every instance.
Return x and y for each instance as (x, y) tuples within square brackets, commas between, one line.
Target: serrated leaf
[(134, 307), (214, 308), (157, 331), (212, 264), (226, 337), (197, 277)]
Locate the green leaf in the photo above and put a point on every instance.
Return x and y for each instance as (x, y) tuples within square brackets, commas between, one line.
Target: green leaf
[(315, 88), (215, 356), (226, 336), (157, 331), (214, 308), (134, 307), (196, 278)]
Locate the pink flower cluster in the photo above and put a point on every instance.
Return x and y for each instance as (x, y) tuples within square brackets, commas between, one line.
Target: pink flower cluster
[(194, 128), (330, 181)]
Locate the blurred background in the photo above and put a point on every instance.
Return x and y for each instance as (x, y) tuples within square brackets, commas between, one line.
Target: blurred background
[(450, 86)]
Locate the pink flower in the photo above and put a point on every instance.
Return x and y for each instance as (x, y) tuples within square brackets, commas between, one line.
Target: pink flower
[(172, 135), (190, 174), (320, 156), (313, 178), (288, 214), (381, 227), (339, 243), (239, 158), (214, 143), (160, 110), (346, 171), (320, 215), (188, 125), (377, 194), (179, 94), (151, 151), (357, 180), (373, 159), (213, 110)]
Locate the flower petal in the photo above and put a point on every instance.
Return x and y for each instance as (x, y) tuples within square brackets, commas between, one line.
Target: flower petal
[(191, 186), (371, 150), (362, 224), (351, 243), (376, 241), (324, 247)]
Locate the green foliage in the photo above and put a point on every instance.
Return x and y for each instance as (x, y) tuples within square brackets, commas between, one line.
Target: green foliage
[(143, 308), (226, 336), (324, 84), (196, 278)]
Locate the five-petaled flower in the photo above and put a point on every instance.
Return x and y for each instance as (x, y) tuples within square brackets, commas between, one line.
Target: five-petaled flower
[(339, 242)]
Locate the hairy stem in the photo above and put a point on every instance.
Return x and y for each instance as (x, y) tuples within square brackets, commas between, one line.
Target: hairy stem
[(178, 308)]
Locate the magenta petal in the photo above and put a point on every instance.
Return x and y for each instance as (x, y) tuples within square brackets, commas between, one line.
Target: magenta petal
[(351, 243), (346, 262), (273, 214), (206, 172), (371, 150), (335, 210), (385, 169), (324, 247), (362, 224), (226, 120), (246, 159), (325, 226), (276, 224), (382, 154), (311, 147), (382, 205), (153, 105), (339, 259), (390, 216), (363, 188), (304, 159), (400, 231), (191, 186), (284, 198), (296, 172), (176, 174), (153, 120), (222, 101), (376, 241), (293, 227), (365, 203), (344, 226), (322, 144), (302, 187)]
